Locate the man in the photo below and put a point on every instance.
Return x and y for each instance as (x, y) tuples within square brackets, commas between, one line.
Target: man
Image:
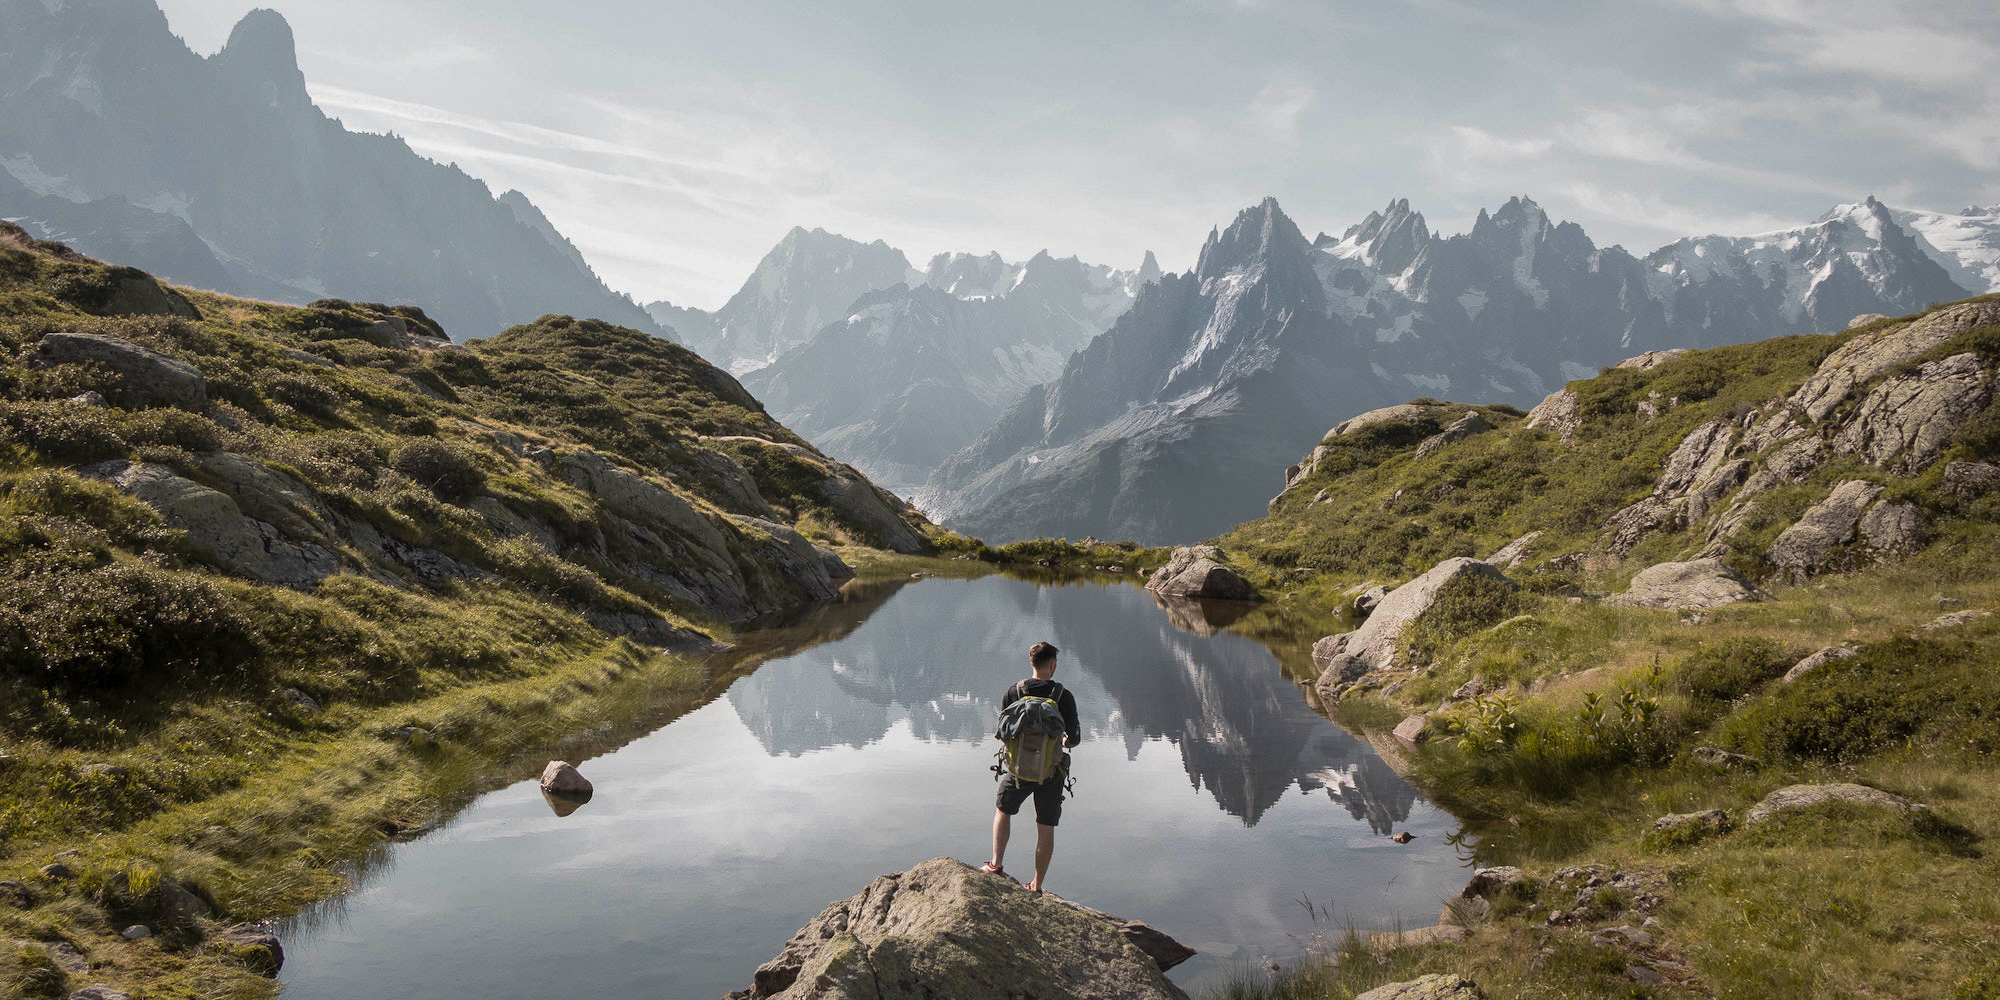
[(1048, 795)]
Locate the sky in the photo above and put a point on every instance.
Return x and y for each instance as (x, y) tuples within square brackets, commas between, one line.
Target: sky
[(675, 142)]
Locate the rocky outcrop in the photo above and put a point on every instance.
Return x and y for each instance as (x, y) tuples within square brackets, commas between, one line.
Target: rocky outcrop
[(1560, 412), (1198, 571), (217, 527), (1793, 797), (1682, 829), (1802, 548), (944, 929), (254, 946), (1460, 429), (1346, 660), (1437, 986), (1697, 475), (1685, 586), (1871, 354), (860, 503), (139, 377), (1818, 660), (1374, 643), (1971, 480), (1510, 554), (1905, 423)]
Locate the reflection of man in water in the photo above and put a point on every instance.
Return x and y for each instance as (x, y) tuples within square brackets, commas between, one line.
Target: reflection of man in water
[(1048, 794)]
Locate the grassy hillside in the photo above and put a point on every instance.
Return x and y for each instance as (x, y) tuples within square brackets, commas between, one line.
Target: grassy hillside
[(1588, 720), (247, 634)]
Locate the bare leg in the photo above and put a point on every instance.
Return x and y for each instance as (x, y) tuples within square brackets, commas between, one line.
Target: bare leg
[(1002, 827), (1045, 848)]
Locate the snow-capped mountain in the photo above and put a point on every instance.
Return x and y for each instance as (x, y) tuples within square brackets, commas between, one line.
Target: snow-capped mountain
[(220, 172), (1176, 413), (1967, 244), (807, 281), (1854, 259), (810, 279), (1178, 422), (912, 373)]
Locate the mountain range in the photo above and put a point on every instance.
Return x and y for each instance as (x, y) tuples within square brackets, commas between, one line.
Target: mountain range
[(906, 374), (219, 172), (1045, 396), (1174, 424)]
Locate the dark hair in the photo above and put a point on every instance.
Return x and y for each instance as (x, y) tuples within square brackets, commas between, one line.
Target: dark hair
[(1042, 652)]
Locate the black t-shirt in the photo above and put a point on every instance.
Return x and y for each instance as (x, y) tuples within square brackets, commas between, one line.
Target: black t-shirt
[(1039, 688)]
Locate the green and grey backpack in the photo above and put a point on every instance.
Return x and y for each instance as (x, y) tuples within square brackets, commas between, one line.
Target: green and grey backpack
[(1031, 736)]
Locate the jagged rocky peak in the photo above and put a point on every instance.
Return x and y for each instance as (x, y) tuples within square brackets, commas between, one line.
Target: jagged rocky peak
[(968, 276), (1149, 270), (261, 53), (1389, 240), (1520, 215), (1257, 233)]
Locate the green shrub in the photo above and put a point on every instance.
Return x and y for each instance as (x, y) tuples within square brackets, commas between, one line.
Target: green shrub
[(301, 392), (1728, 671), (171, 428), (116, 627), (1906, 690), (66, 432), (447, 470)]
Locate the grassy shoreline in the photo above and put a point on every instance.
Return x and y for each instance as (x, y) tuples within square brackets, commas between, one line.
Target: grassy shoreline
[(310, 805)]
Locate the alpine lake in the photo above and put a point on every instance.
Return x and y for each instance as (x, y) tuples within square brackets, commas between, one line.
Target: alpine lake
[(1210, 801)]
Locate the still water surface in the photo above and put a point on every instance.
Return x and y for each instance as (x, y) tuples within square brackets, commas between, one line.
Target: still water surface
[(1210, 802)]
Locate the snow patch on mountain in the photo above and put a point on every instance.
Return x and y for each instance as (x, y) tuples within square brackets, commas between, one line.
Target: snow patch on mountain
[(1966, 244), (35, 179)]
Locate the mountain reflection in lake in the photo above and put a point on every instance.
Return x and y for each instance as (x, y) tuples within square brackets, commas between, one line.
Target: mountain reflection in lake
[(1210, 802)]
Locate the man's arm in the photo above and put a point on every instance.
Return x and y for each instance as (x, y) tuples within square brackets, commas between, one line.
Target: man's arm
[(1071, 727)]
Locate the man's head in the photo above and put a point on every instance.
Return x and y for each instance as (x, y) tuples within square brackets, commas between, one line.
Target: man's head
[(1042, 658)]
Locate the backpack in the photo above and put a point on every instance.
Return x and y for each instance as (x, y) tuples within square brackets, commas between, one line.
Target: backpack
[(1031, 734)]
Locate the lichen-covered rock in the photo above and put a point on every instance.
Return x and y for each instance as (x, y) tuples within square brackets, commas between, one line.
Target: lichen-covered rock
[(1871, 354), (1197, 571), (1509, 555), (1651, 359), (255, 947), (1368, 600), (218, 529), (944, 929), (1337, 671), (1686, 586), (1560, 412), (1894, 528), (1910, 419), (1953, 620), (1376, 640), (1412, 730), (1682, 829), (1817, 660), (1404, 412), (1801, 549), (878, 514), (1971, 480), (1437, 986), (141, 377), (1694, 479), (1462, 428), (1806, 796), (99, 991)]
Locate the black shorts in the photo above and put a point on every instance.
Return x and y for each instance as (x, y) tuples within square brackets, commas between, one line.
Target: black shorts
[(1048, 797)]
